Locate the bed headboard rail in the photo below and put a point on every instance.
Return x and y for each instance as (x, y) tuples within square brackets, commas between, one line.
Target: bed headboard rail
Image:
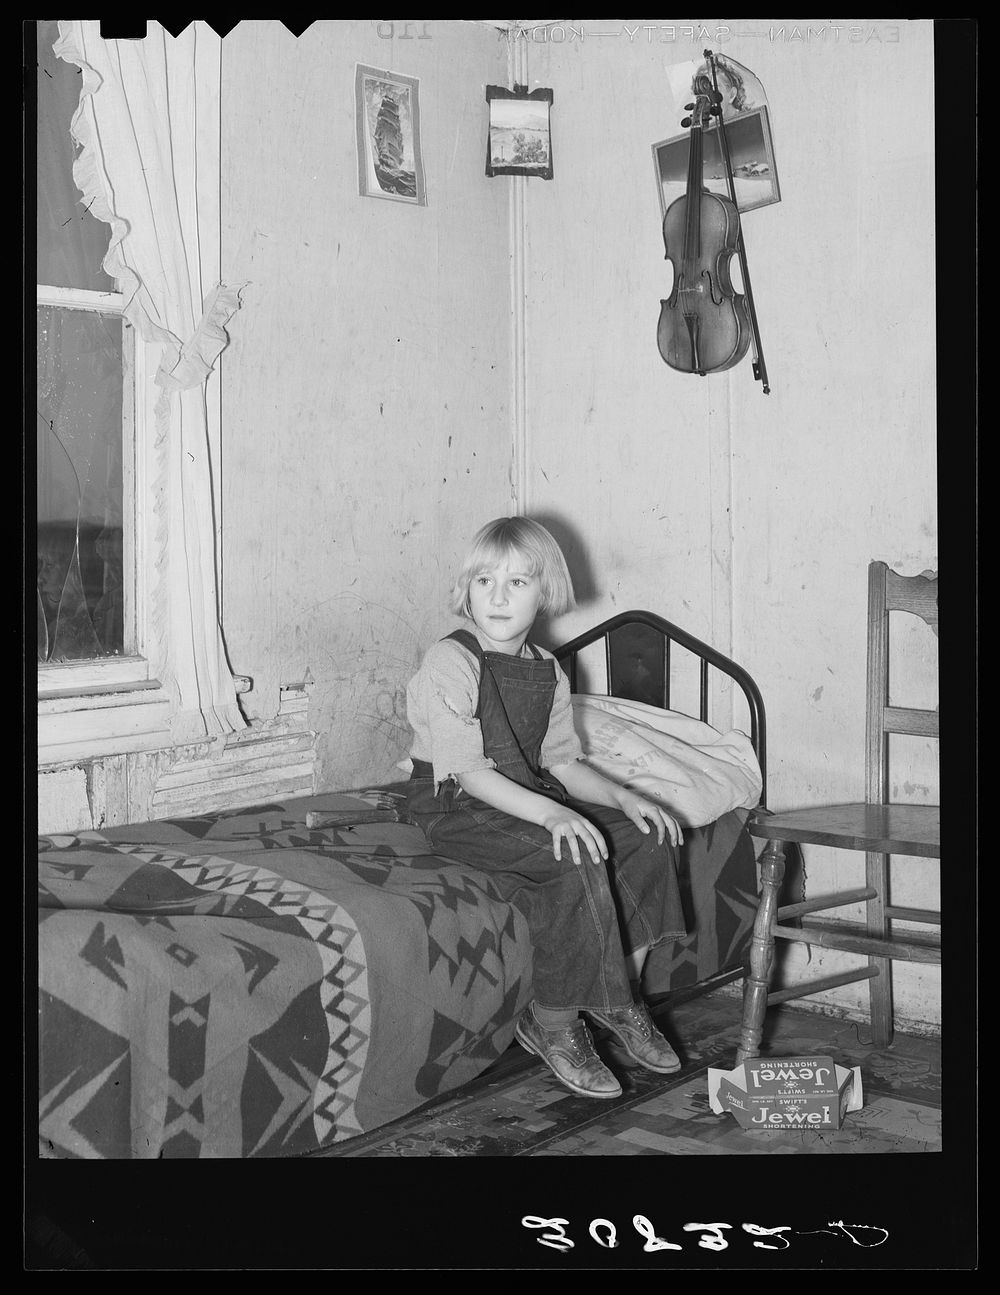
[(637, 651)]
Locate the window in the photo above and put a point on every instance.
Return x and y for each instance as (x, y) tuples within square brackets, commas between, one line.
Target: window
[(87, 604), (90, 401)]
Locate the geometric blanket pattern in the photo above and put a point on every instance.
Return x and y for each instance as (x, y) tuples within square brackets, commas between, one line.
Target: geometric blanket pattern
[(237, 985)]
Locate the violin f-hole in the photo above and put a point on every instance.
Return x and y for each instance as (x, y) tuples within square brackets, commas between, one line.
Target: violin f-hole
[(716, 300)]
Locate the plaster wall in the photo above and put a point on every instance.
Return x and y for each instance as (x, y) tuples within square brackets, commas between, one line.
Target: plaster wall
[(751, 518), (367, 387)]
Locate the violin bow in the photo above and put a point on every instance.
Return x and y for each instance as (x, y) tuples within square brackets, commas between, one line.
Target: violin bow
[(759, 367)]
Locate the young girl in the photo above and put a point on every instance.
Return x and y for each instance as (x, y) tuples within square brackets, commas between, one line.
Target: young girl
[(498, 783)]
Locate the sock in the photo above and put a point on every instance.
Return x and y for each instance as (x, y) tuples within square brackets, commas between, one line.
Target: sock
[(555, 1018), (635, 961)]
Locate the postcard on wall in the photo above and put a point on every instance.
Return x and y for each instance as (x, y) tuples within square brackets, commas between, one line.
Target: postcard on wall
[(520, 136), (387, 113)]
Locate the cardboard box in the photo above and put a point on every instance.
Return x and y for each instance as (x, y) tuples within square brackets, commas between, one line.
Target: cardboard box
[(787, 1093)]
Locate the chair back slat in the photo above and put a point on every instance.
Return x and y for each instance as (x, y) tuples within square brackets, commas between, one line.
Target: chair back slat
[(888, 591), (915, 723), (915, 594)]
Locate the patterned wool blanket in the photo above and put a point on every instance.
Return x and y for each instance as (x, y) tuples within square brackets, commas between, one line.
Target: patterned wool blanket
[(239, 985)]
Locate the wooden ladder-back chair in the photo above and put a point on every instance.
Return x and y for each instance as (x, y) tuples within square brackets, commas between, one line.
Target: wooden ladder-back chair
[(877, 827)]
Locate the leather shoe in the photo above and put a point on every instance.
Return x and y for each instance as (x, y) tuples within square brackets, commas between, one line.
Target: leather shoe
[(634, 1029), (569, 1054)]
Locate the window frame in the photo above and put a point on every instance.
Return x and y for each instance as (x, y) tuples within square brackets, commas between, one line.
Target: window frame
[(111, 705)]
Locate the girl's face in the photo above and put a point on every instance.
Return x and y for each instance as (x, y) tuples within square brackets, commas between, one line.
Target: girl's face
[(504, 600)]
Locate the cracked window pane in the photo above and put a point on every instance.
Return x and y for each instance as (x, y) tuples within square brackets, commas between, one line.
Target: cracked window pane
[(80, 489)]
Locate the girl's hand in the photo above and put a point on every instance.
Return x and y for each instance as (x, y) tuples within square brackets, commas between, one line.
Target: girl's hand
[(566, 826), (639, 809)]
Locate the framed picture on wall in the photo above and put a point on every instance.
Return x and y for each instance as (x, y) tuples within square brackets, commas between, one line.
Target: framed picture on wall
[(387, 115), (520, 132), (751, 153)]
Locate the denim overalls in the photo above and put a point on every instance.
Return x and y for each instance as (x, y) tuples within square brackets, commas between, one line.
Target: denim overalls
[(581, 917)]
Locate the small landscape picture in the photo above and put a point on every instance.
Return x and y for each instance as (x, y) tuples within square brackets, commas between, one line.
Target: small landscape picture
[(755, 178), (519, 134)]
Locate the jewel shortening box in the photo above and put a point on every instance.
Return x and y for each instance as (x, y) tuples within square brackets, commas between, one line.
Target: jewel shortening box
[(787, 1093)]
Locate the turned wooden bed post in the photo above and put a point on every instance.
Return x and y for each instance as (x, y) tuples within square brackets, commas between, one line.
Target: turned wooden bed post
[(772, 872)]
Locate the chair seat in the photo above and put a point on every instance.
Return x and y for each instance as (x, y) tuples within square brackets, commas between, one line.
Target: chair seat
[(886, 829)]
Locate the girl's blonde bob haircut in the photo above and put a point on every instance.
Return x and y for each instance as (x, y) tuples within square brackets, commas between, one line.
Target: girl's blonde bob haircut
[(509, 539)]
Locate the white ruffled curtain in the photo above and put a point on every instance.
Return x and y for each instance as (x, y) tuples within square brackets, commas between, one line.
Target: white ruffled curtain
[(148, 127)]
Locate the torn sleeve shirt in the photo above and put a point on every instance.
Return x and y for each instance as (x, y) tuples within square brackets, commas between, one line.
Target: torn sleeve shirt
[(441, 703)]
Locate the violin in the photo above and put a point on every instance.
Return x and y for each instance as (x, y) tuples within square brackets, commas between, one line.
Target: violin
[(704, 326)]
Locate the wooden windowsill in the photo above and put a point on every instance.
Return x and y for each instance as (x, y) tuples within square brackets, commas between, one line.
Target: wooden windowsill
[(96, 696), (90, 721), (105, 674)]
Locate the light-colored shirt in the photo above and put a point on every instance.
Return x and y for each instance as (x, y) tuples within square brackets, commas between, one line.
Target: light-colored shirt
[(441, 702)]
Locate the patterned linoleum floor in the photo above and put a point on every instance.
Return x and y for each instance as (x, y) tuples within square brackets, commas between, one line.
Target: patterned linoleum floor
[(519, 1109)]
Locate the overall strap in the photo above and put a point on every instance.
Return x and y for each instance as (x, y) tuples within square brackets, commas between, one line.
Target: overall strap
[(468, 640)]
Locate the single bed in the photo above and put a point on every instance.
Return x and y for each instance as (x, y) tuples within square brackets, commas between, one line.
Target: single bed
[(241, 984)]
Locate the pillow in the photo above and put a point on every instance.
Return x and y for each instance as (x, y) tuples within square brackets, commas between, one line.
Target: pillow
[(690, 768)]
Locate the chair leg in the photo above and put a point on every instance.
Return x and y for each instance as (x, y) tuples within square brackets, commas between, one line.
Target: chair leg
[(880, 985), (880, 1000), (772, 872)]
